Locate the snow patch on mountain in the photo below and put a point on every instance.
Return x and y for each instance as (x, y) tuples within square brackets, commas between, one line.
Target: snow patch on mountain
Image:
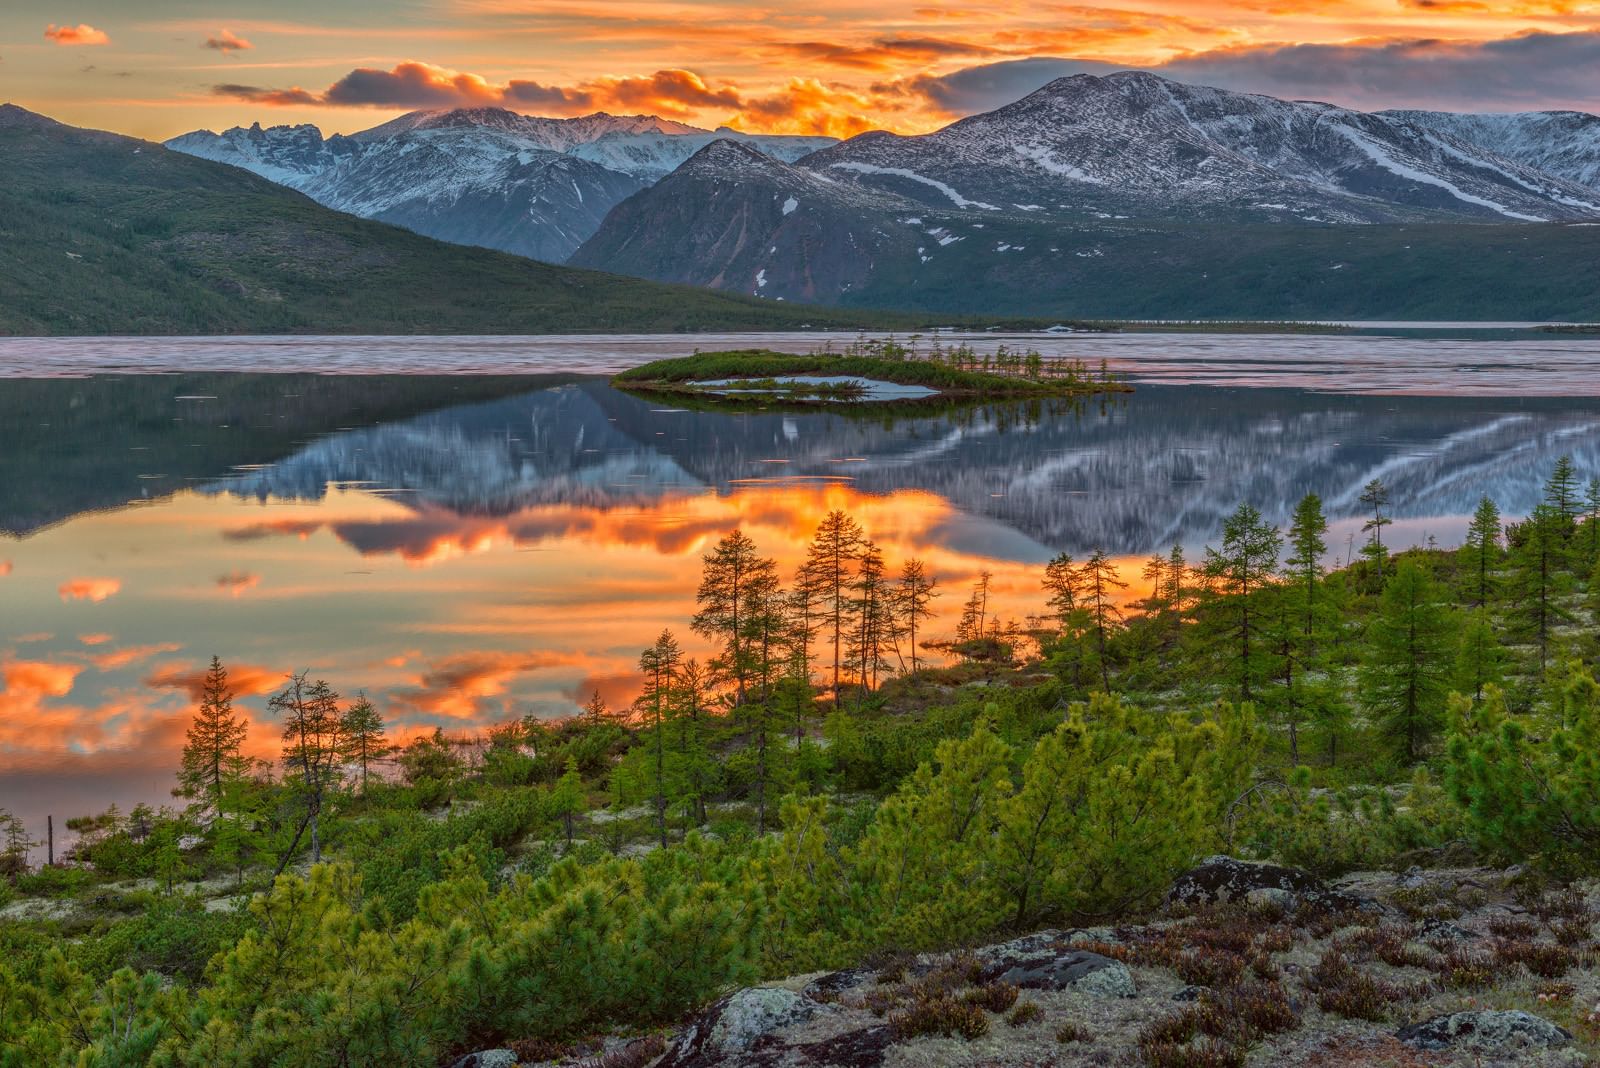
[(900, 172)]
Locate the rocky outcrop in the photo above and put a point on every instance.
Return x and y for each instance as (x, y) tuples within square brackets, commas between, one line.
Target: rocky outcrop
[(737, 1023), (488, 1058), (1227, 881), (1488, 1032), (1044, 962)]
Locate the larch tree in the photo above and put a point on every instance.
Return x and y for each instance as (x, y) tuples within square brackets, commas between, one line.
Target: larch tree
[(873, 627), (362, 741), (1375, 497), (1481, 553), (913, 602), (1239, 570), (1405, 681), (310, 712), (566, 797), (1480, 658), (1302, 622), (1540, 579), (659, 664), (825, 576), (1591, 500), (734, 574), (213, 742), (695, 768), (1561, 493), (1101, 585)]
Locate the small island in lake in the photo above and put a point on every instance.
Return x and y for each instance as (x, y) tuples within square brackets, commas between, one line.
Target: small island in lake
[(870, 372)]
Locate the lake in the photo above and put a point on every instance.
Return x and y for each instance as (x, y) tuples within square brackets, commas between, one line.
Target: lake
[(470, 529)]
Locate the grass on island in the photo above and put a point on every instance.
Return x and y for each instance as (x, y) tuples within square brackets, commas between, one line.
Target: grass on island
[(958, 372)]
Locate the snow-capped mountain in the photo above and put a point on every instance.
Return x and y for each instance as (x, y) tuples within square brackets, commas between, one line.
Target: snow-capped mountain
[(1563, 143), (1122, 195), (534, 186), (288, 155), (651, 156), (1139, 145)]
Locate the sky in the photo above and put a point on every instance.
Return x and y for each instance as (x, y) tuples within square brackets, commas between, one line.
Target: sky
[(157, 68)]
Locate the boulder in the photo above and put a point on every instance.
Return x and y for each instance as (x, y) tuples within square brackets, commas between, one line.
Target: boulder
[(1486, 1031), (736, 1023), (1226, 880), (1040, 962), (488, 1058)]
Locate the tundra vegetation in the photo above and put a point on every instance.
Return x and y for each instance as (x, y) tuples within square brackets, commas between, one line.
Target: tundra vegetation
[(836, 783)]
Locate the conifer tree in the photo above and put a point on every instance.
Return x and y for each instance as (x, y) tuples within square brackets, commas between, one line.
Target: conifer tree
[(825, 578), (213, 741), (1561, 493), (1375, 496), (310, 712), (362, 741), (873, 628), (1406, 677), (566, 797), (1239, 570), (973, 624), (691, 693), (1065, 586), (1540, 580), (1592, 519), (1301, 618), (659, 664), (913, 603), (1480, 659), (734, 575), (1481, 553), (1100, 587), (595, 711)]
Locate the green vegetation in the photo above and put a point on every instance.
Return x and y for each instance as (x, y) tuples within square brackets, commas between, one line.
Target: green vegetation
[(101, 234), (952, 371), (815, 794)]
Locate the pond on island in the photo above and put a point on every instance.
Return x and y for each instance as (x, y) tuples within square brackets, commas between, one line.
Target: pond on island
[(470, 548)]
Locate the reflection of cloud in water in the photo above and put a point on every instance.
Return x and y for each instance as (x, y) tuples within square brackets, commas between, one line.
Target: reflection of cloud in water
[(513, 556)]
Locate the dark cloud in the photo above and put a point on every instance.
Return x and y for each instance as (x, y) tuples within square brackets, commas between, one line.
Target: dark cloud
[(1534, 70), (422, 85)]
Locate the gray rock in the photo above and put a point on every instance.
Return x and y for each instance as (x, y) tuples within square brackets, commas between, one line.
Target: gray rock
[(1225, 880), (488, 1058), (1485, 1032), (736, 1023), (1444, 930), (1039, 966)]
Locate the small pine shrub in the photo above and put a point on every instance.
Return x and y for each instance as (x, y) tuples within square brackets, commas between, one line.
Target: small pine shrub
[(1025, 1013)]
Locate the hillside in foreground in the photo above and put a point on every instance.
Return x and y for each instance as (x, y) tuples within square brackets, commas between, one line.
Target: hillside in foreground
[(103, 234)]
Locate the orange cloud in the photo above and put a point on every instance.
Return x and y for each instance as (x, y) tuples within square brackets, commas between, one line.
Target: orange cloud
[(245, 679), (5, 568), (118, 658), (38, 678), (81, 34), (469, 685), (227, 41), (94, 590), (94, 639)]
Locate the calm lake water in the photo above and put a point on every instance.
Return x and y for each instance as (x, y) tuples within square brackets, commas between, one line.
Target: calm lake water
[(468, 547)]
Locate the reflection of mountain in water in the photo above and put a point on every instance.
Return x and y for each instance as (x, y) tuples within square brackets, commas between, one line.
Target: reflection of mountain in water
[(1163, 465), (71, 445)]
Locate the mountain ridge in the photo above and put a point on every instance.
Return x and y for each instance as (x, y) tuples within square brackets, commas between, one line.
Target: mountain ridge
[(488, 177), (105, 234)]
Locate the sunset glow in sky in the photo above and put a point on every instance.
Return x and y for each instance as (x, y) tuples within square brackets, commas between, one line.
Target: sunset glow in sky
[(156, 68)]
